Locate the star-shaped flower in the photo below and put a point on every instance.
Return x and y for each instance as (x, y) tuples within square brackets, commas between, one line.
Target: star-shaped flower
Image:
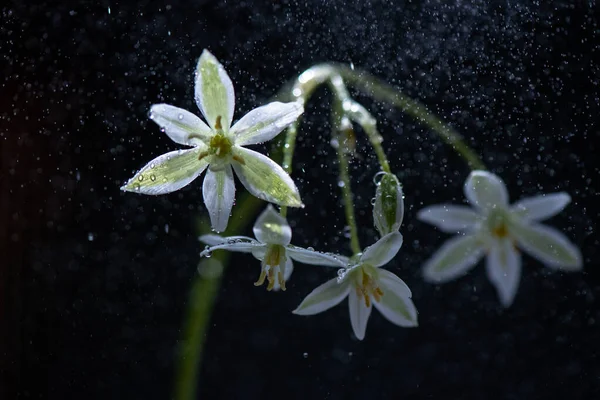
[(218, 146), (366, 285), (272, 248), (495, 228)]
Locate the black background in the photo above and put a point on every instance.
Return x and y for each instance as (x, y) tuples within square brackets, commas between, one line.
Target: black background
[(94, 285)]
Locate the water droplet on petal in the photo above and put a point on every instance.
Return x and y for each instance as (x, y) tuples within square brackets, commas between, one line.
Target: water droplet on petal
[(180, 117)]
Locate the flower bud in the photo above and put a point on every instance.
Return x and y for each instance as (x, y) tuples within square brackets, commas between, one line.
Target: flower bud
[(388, 210)]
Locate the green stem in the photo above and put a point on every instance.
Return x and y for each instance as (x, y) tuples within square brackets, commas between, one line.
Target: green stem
[(348, 201), (358, 114), (381, 91), (202, 299)]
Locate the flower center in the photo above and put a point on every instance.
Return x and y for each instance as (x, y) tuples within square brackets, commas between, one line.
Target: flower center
[(366, 285), (220, 145), (273, 267), (497, 224)]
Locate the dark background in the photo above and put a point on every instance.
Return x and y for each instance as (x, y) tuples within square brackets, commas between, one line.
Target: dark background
[(93, 284)]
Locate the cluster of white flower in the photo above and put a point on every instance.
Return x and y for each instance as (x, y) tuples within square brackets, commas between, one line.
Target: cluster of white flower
[(492, 227)]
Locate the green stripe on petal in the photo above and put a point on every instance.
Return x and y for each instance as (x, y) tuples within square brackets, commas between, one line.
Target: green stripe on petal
[(168, 173), (264, 178), (453, 259), (547, 245), (328, 295), (214, 91)]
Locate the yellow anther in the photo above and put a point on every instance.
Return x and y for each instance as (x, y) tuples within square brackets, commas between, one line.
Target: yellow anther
[(239, 159), (367, 287), (271, 279), (500, 231), (218, 125), (202, 155)]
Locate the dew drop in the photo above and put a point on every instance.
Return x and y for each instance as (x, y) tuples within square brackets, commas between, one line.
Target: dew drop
[(378, 176), (347, 232), (180, 117), (341, 184), (141, 178), (91, 237), (310, 248), (152, 178), (373, 200)]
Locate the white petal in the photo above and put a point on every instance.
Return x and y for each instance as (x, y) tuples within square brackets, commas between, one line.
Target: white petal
[(265, 179), (547, 245), (329, 294), (214, 91), (238, 245), (503, 269), (541, 207), (395, 305), (168, 173), (485, 190), (219, 193), (270, 227), (359, 314), (450, 218), (453, 259), (389, 279), (182, 126), (289, 268), (383, 250), (213, 240), (307, 256), (266, 122)]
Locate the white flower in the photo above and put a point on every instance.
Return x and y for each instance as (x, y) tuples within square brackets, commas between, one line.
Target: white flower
[(495, 228), (362, 281), (219, 147), (272, 248)]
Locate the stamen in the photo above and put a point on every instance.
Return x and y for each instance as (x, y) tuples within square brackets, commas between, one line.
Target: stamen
[(367, 300), (261, 278), (281, 280), (218, 125), (239, 159), (271, 279), (202, 155)]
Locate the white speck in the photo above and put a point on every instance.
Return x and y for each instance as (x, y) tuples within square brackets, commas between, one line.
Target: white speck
[(91, 237), (305, 355), (166, 228), (108, 10)]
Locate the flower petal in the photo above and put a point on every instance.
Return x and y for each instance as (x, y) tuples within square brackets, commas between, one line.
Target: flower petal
[(265, 179), (450, 218), (547, 245), (329, 294), (453, 259), (182, 126), (289, 268), (168, 173), (485, 190), (538, 208), (214, 91), (395, 305), (389, 279), (359, 314), (266, 122), (219, 193), (270, 227), (213, 240), (503, 269), (308, 256), (238, 245), (383, 250)]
